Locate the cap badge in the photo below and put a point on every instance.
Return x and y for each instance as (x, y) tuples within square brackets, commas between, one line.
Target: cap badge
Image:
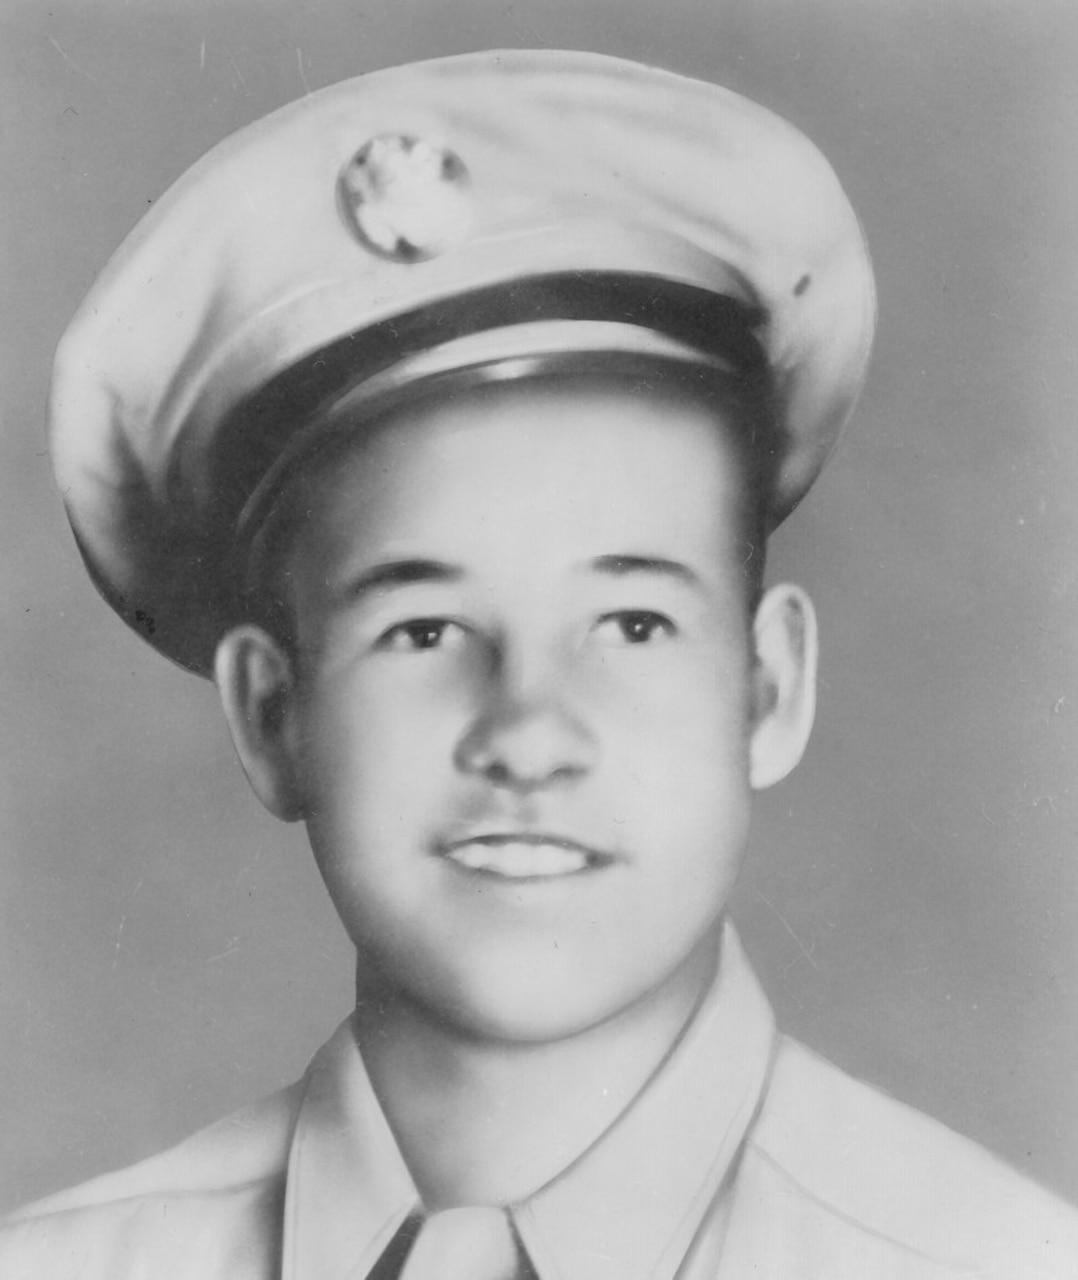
[(405, 198)]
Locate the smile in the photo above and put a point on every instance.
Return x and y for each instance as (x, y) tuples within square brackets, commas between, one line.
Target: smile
[(523, 856)]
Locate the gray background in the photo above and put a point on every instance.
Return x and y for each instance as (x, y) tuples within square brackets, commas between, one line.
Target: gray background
[(166, 950)]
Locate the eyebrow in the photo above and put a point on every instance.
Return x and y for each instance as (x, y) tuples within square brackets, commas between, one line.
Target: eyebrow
[(400, 573), (620, 566)]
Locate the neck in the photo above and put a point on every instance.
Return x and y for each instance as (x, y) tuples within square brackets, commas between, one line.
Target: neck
[(480, 1121)]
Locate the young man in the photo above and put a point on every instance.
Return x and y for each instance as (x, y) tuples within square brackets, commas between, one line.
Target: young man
[(441, 417)]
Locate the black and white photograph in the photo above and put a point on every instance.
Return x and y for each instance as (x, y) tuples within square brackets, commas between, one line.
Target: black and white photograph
[(539, 640)]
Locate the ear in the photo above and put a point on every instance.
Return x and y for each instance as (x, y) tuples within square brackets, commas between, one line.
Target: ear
[(784, 683), (257, 687)]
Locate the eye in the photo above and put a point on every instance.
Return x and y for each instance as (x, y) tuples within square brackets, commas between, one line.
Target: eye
[(420, 633), (633, 626)]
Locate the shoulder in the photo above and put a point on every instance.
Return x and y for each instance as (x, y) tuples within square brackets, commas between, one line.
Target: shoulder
[(885, 1177), (204, 1208)]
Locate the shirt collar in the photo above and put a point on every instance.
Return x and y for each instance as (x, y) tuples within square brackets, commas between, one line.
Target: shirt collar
[(628, 1208), (348, 1190)]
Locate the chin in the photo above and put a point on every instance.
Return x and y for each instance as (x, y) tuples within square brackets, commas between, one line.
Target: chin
[(533, 996), (529, 1017)]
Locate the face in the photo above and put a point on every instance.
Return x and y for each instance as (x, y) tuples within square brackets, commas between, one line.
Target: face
[(522, 709)]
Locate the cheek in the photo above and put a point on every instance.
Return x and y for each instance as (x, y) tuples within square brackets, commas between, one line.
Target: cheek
[(374, 776), (374, 745), (677, 748), (690, 709)]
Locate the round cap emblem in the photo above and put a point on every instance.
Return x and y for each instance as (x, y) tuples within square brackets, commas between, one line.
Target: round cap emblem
[(405, 198)]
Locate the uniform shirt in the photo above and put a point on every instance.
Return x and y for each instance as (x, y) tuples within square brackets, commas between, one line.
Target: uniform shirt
[(744, 1156)]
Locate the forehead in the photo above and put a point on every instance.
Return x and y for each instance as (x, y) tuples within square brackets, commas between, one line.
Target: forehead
[(527, 472)]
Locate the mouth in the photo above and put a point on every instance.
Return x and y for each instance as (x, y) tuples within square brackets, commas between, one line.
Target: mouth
[(515, 855)]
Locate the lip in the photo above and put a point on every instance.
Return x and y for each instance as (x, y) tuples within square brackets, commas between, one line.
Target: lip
[(503, 855)]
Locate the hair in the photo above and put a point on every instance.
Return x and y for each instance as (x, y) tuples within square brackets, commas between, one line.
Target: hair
[(742, 402)]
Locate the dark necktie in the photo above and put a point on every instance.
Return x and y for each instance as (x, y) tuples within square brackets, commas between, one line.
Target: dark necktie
[(455, 1244)]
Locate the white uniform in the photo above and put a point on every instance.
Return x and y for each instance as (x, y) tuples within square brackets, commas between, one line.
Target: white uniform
[(746, 1156)]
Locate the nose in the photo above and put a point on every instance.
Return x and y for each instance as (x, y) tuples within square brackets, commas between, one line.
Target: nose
[(526, 747)]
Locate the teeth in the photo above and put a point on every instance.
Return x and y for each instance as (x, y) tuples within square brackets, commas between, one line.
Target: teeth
[(519, 860)]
